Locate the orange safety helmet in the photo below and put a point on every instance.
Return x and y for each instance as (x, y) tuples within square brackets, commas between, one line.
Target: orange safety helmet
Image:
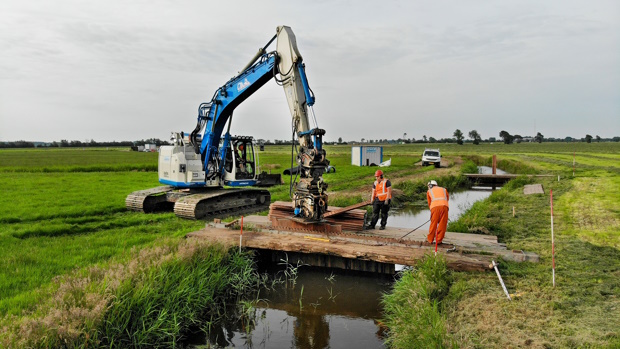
[(241, 147), (379, 173)]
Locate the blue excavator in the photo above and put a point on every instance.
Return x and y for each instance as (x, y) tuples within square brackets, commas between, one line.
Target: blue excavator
[(208, 173)]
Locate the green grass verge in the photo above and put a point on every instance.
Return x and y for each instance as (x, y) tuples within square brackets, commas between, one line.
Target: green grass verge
[(153, 300), (63, 211), (413, 309), (582, 310)]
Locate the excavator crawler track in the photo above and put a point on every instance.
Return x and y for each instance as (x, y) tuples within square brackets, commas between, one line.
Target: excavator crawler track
[(222, 203), (199, 204), (150, 200)]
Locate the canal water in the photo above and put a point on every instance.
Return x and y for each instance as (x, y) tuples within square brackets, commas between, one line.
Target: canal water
[(489, 170), (414, 215), (323, 308)]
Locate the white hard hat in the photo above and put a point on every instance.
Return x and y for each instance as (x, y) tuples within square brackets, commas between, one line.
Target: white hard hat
[(433, 182)]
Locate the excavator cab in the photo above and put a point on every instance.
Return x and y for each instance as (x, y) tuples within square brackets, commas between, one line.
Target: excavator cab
[(241, 163)]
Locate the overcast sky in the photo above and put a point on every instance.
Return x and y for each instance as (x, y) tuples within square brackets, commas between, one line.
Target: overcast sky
[(128, 70)]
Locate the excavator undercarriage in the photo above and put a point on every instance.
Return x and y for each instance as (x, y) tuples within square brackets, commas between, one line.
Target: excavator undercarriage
[(199, 203)]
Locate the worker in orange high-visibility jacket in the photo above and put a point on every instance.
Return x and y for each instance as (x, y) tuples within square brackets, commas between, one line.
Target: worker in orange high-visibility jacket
[(381, 199), (438, 198)]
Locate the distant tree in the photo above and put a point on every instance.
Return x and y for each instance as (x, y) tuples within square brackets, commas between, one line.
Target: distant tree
[(339, 140), (491, 139), (598, 138), (363, 139), (539, 137), (588, 139), (568, 139), (424, 139), (475, 136), (459, 136), (404, 135), (432, 140), (506, 137)]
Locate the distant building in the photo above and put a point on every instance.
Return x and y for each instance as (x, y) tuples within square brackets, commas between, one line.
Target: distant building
[(366, 155)]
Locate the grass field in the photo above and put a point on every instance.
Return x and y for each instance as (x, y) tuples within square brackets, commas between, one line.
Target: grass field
[(63, 212)]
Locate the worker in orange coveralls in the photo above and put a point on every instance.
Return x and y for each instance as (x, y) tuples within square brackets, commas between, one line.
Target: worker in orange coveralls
[(438, 203)]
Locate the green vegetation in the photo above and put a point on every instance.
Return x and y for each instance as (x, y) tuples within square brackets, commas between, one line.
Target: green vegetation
[(63, 218), (413, 309), (151, 301), (582, 310)]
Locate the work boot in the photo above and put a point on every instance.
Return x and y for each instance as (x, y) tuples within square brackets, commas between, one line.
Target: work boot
[(382, 227), (369, 227)]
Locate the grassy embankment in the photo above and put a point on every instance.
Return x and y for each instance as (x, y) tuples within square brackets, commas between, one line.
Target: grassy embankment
[(583, 310), (69, 250), (59, 216), (63, 215)]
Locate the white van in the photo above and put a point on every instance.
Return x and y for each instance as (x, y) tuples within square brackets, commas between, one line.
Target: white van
[(431, 157)]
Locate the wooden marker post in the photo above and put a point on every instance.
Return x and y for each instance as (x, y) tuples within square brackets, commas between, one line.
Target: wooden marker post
[(573, 164), (241, 234), (552, 241)]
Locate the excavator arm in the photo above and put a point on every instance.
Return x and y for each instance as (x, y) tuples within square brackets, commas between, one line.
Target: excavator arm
[(286, 66)]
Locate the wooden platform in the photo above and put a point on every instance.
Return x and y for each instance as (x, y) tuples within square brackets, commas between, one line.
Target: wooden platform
[(494, 180), (370, 250)]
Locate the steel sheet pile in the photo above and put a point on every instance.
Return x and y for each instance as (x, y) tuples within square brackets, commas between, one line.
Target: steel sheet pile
[(352, 220)]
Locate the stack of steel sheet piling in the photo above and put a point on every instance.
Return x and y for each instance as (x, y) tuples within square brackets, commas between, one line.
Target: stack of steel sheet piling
[(352, 220)]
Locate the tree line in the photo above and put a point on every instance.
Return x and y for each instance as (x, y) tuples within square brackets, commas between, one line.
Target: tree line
[(459, 138), (79, 144), (476, 138)]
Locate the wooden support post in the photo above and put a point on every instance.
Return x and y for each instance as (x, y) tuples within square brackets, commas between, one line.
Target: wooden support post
[(494, 164), (552, 240), (241, 234)]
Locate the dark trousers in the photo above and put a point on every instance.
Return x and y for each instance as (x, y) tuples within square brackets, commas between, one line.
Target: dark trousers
[(379, 207)]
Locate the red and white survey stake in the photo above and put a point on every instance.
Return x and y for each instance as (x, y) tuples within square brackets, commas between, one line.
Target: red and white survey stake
[(552, 241), (241, 234)]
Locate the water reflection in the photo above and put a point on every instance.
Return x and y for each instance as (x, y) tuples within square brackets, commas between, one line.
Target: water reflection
[(489, 170), (411, 216), (322, 309)]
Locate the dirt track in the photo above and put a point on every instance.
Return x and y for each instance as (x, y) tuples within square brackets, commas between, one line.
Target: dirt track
[(449, 166)]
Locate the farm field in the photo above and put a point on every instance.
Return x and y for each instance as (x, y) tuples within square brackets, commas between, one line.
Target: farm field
[(63, 212)]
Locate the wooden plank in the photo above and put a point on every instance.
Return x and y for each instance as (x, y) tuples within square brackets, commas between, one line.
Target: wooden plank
[(345, 209), (346, 249), (503, 176), (529, 189), (464, 242)]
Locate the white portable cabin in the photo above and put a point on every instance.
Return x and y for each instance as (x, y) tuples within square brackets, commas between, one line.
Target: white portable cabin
[(366, 155)]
